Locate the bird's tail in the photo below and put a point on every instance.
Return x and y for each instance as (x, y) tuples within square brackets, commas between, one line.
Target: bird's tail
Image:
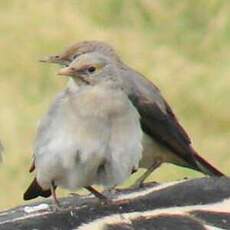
[(35, 190), (204, 166)]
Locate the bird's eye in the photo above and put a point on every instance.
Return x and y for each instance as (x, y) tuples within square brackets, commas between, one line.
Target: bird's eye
[(91, 69)]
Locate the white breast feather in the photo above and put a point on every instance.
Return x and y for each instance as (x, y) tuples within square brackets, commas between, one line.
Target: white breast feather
[(78, 135)]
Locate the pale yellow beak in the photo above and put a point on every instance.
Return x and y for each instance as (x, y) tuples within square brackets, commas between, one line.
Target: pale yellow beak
[(66, 71)]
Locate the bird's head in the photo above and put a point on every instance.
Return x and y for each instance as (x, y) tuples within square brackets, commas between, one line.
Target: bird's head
[(91, 69), (74, 51)]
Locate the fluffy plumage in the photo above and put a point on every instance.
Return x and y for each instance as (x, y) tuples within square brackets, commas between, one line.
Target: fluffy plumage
[(90, 135)]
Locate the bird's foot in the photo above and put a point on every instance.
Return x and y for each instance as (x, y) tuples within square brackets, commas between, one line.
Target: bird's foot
[(106, 201), (57, 207), (112, 191)]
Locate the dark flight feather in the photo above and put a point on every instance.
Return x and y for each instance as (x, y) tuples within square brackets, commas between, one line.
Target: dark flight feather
[(35, 190)]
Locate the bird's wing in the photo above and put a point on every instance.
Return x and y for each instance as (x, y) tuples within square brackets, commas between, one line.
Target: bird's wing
[(47, 124), (159, 121), (157, 118), (44, 126)]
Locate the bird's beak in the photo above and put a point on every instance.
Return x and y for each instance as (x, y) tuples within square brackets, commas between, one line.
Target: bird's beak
[(49, 59), (66, 71)]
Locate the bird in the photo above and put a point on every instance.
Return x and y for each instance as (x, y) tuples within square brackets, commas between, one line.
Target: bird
[(166, 141), (90, 135)]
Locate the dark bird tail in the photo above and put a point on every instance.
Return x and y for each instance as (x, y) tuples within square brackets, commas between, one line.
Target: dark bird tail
[(204, 166), (35, 190)]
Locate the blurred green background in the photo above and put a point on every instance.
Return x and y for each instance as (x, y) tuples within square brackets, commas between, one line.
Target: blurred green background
[(183, 46)]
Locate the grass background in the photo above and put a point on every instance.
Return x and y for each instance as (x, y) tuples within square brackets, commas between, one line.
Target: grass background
[(183, 46)]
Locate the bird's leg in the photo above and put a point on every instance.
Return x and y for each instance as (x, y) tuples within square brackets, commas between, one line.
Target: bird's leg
[(111, 191), (55, 200), (99, 195), (140, 181)]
